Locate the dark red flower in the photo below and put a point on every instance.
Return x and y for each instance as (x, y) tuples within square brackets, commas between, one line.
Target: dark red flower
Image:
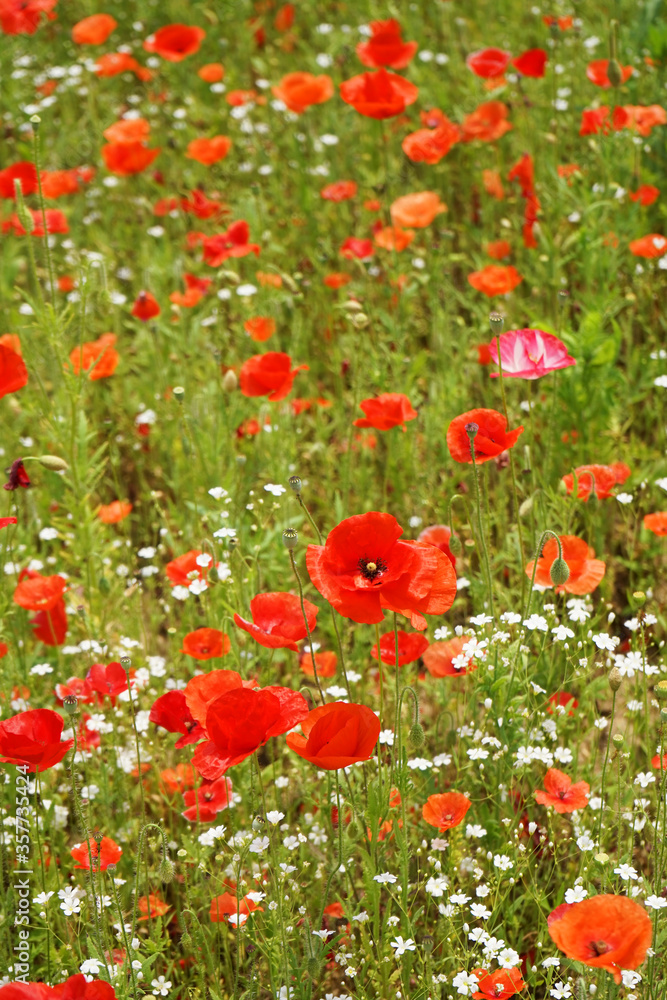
[(145, 307), (171, 712), (336, 735), (269, 375), (385, 47), (411, 645), (378, 95), (277, 620), (50, 627), (17, 476), (32, 739), (492, 436), (364, 568)]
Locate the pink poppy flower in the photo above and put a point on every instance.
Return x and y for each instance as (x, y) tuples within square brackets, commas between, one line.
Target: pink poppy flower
[(529, 354)]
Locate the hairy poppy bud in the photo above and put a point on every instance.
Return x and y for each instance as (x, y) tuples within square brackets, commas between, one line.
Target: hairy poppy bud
[(166, 870), (496, 322), (455, 546), (614, 74), (290, 538), (295, 484), (559, 572), (178, 393), (614, 678), (70, 704), (25, 218), (230, 276), (416, 736), (660, 691), (53, 462), (103, 585), (526, 507), (313, 966), (230, 380)]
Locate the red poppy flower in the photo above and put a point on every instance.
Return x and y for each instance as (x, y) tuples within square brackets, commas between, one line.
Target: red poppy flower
[(499, 249), (93, 30), (127, 158), (562, 700), (236, 910), (438, 535), (175, 42), (241, 721), (269, 375), (498, 985), (429, 145), (232, 243), (337, 279), (339, 191), (107, 681), (18, 477), (659, 764), (277, 620), (97, 357), (171, 712), (495, 279), (488, 63), (206, 644), (357, 248), (57, 183), (446, 810), (5, 523), (492, 438), (145, 307), (487, 123), (106, 853), (39, 593), (50, 627), (326, 663), (606, 932), (299, 91), (211, 72), (585, 571), (446, 659), (184, 569), (646, 194), (336, 735), (208, 151), (601, 478), (393, 238), (32, 739), (114, 63), (531, 63), (55, 223), (260, 328), (653, 245), (23, 17), (657, 523), (114, 512), (596, 72), (389, 409), (561, 793), (411, 645), (378, 95), (209, 799), (13, 372), (385, 47), (151, 906), (529, 354), (638, 118), (363, 568), (594, 120), (25, 172)]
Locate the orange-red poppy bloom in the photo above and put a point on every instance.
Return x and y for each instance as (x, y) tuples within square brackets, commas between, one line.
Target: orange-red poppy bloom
[(487, 123), (379, 95), (336, 279), (24, 172), (639, 118), (13, 372), (596, 72), (234, 909), (114, 512), (56, 222), (355, 248), (23, 17), (106, 853), (277, 620), (657, 523), (208, 151), (493, 184), (195, 289), (594, 120), (336, 735), (418, 209), (145, 307), (606, 932), (32, 739), (646, 194), (260, 328), (364, 567), (438, 535), (499, 249), (128, 130), (495, 279), (586, 572), (97, 357), (232, 243), (445, 810), (269, 374), (206, 644), (40, 593), (429, 145), (389, 409), (489, 63), (385, 47), (490, 438), (561, 793), (393, 238), (411, 645), (151, 906), (113, 63), (127, 158), (652, 245), (444, 659), (531, 63), (659, 763), (339, 191), (57, 183), (208, 800), (325, 662), (299, 91), (175, 42), (93, 30), (211, 72), (498, 985), (598, 478)]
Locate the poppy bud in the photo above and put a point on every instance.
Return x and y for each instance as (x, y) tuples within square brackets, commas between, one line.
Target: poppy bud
[(70, 704), (614, 74), (360, 320), (455, 546), (290, 538), (53, 462), (295, 484), (103, 585), (526, 507), (25, 218), (230, 380), (496, 322), (313, 967), (614, 679), (186, 941), (178, 393), (35, 121), (559, 572), (416, 736), (231, 277), (166, 870), (660, 691)]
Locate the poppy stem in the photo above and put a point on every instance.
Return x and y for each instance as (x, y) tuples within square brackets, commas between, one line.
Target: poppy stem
[(480, 524), (604, 768), (397, 716), (125, 663), (515, 492), (128, 950), (42, 204), (305, 619), (41, 869)]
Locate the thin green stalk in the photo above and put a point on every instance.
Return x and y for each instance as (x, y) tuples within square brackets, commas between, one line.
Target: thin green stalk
[(604, 768), (480, 523), (305, 619)]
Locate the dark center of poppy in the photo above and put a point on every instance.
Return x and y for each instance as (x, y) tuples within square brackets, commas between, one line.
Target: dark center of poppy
[(371, 568), (600, 948)]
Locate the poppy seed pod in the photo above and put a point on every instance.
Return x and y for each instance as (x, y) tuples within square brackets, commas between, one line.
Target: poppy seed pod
[(70, 704), (427, 943), (472, 430), (360, 320), (455, 546), (178, 393), (290, 538), (53, 462), (559, 572), (614, 679), (294, 483), (663, 715), (660, 691), (617, 739), (639, 597), (496, 322)]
